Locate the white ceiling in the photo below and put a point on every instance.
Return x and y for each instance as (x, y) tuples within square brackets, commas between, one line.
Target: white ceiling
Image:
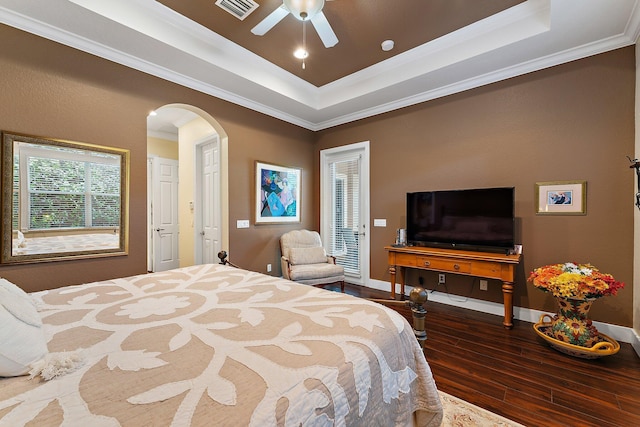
[(147, 36), (165, 122)]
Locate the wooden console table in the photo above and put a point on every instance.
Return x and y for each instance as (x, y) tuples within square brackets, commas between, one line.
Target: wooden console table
[(479, 264)]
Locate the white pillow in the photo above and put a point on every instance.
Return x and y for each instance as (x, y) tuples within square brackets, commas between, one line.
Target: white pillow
[(22, 340), (299, 256), (10, 287)]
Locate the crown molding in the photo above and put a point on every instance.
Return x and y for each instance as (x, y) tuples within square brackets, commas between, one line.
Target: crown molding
[(488, 51)]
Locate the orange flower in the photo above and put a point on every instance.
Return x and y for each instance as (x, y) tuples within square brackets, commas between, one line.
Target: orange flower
[(578, 281)]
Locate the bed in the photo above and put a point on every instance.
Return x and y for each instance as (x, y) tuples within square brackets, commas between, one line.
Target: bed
[(216, 345)]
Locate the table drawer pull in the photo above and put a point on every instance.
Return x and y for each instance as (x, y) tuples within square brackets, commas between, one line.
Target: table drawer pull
[(443, 264)]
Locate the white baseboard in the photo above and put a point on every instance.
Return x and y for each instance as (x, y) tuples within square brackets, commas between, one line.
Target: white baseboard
[(636, 342), (620, 333)]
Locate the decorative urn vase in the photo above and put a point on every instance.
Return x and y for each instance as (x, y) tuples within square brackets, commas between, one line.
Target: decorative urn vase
[(572, 325), (575, 287)]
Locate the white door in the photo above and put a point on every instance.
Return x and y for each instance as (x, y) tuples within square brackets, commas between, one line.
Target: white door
[(164, 214), (208, 238), (344, 207)]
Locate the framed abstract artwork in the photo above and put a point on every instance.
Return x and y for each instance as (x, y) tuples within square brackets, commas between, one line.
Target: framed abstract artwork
[(561, 198), (277, 194)]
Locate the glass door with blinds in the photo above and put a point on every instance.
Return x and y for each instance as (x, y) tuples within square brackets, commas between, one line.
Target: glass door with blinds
[(344, 208)]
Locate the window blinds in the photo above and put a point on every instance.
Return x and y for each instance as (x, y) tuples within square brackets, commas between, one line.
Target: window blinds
[(344, 244), (70, 193)]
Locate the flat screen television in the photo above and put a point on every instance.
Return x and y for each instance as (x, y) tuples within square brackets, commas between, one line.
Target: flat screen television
[(480, 219)]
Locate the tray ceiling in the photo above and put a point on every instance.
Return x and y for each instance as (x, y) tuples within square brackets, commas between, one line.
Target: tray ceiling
[(360, 25), (441, 47)]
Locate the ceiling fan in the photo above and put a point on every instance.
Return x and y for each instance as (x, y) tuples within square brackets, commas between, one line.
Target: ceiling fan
[(303, 10)]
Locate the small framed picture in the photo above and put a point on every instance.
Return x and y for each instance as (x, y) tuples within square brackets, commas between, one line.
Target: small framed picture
[(277, 194), (561, 198)]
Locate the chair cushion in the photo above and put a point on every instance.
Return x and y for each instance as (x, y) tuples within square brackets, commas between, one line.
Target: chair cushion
[(301, 256), (299, 239), (327, 272), (22, 339)]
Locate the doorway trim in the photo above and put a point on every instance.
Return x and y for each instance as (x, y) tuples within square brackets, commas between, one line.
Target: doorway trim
[(223, 141)]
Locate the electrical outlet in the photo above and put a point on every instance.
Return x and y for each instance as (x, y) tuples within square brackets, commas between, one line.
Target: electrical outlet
[(483, 285), (268, 268), (441, 278)]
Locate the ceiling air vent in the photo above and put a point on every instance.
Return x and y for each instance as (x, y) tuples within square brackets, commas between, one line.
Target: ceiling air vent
[(238, 8)]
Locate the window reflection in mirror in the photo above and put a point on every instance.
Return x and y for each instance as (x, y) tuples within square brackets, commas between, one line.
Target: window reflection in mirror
[(62, 199)]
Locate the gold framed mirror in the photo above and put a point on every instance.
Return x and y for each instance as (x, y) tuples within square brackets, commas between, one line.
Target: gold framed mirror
[(62, 200)]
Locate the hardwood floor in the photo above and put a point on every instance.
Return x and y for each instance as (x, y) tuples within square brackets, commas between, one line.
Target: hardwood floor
[(515, 373)]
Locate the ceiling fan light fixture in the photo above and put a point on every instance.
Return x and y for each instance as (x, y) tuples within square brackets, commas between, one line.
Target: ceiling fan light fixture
[(304, 9), (301, 53)]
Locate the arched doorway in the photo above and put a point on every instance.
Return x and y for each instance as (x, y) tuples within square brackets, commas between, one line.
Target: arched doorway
[(198, 140)]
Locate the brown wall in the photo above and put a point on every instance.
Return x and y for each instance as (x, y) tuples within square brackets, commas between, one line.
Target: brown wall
[(570, 122), (55, 91), (280, 144)]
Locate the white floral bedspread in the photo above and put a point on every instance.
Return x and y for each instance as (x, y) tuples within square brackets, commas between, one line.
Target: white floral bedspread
[(214, 345)]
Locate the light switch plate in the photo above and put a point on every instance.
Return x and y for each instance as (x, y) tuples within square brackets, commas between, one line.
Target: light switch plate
[(380, 222), (242, 223)]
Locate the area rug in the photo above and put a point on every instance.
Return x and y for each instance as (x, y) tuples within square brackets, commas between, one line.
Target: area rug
[(459, 413)]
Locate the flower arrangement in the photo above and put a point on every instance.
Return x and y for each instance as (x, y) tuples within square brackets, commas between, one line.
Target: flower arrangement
[(576, 281)]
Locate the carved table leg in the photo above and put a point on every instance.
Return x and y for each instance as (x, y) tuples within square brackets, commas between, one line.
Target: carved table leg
[(392, 272), (507, 296)]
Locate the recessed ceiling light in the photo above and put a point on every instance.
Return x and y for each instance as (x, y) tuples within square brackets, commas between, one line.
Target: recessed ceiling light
[(387, 45), (153, 113)]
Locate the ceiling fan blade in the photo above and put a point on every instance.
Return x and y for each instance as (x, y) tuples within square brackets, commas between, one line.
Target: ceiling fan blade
[(324, 30), (270, 21)]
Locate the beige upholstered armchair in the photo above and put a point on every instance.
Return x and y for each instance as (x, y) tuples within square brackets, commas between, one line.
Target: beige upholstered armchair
[(304, 260)]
